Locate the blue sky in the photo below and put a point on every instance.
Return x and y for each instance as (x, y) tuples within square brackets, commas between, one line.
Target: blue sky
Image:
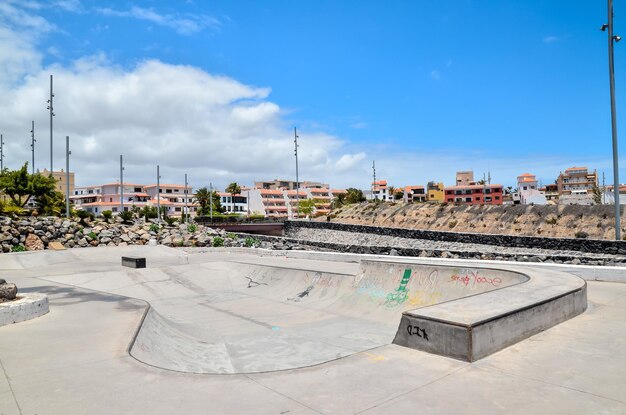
[(424, 88)]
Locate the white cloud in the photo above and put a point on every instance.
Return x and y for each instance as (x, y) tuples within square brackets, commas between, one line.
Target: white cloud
[(349, 161), (184, 24), (550, 39), (434, 74)]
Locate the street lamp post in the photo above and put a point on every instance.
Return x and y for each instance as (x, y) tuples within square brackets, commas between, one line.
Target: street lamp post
[(32, 145), (158, 195), (67, 176), (186, 214), (51, 108), (295, 140), (121, 184), (613, 39)]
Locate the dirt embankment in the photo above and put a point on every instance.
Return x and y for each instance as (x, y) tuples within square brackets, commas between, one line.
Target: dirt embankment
[(552, 221)]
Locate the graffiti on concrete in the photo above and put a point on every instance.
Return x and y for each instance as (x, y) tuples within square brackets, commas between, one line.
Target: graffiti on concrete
[(472, 279), (401, 294), (302, 294), (416, 330), (253, 283)]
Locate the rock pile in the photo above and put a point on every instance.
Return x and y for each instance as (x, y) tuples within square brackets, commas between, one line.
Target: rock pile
[(8, 291), (35, 233)]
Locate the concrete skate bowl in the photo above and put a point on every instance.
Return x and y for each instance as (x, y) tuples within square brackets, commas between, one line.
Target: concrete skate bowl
[(252, 317)]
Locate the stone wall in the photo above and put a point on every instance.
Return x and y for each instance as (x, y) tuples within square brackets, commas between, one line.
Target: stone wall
[(559, 244)]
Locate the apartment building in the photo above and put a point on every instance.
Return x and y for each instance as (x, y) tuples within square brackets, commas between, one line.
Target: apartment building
[(110, 196), (241, 202), (464, 178), (380, 191), (414, 194), (474, 194), (435, 192), (576, 180), (528, 192), (268, 202), (289, 185), (323, 198), (60, 180), (96, 199), (175, 198)]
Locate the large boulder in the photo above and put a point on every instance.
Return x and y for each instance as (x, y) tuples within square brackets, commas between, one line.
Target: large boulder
[(33, 243), (8, 292)]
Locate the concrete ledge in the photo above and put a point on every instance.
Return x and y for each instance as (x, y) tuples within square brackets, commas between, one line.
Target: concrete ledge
[(474, 327), (27, 307)]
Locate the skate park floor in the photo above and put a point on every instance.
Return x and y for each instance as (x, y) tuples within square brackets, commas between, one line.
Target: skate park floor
[(76, 358)]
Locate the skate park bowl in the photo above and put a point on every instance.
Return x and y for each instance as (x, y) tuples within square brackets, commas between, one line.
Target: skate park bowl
[(237, 310)]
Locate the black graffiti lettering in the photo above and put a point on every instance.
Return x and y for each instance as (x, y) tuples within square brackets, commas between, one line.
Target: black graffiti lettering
[(416, 330)]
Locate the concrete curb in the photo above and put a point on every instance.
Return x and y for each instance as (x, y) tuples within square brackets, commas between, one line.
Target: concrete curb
[(27, 307)]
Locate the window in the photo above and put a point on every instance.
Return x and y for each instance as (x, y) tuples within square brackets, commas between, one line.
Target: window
[(497, 197), (114, 209), (110, 199), (468, 199), (137, 189), (168, 190), (175, 190), (177, 209)]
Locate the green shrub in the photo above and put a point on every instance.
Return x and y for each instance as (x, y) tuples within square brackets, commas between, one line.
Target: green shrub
[(92, 235), (18, 248), (231, 235), (192, 227), (107, 214), (218, 241), (170, 220), (250, 242), (452, 224), (154, 227), (127, 216)]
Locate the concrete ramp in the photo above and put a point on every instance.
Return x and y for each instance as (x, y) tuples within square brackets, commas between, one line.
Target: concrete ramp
[(248, 310), (255, 317)]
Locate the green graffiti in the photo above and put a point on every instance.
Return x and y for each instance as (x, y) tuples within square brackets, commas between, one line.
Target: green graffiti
[(401, 294)]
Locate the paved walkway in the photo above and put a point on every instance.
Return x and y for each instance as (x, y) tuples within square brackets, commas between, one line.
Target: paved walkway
[(74, 360)]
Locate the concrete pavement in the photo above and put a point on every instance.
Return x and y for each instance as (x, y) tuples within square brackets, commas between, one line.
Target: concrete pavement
[(75, 360)]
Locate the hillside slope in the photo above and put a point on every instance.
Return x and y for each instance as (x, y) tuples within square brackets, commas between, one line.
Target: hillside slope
[(553, 221)]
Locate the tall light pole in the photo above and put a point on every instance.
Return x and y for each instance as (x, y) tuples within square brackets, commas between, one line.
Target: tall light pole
[(1, 153), (67, 176), (158, 195), (50, 107), (295, 141), (211, 200), (186, 197), (32, 144), (613, 38), (374, 177), (121, 183)]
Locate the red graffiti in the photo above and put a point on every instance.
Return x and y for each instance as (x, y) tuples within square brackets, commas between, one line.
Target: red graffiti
[(475, 279)]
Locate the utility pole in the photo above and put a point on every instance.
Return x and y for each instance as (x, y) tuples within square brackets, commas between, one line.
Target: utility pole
[(374, 179), (158, 195), (186, 197), (295, 141), (211, 200), (613, 38), (32, 144), (50, 107), (121, 183), (1, 153), (484, 188), (67, 176)]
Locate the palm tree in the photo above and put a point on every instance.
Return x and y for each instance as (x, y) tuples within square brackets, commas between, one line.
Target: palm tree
[(233, 189), (203, 197)]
